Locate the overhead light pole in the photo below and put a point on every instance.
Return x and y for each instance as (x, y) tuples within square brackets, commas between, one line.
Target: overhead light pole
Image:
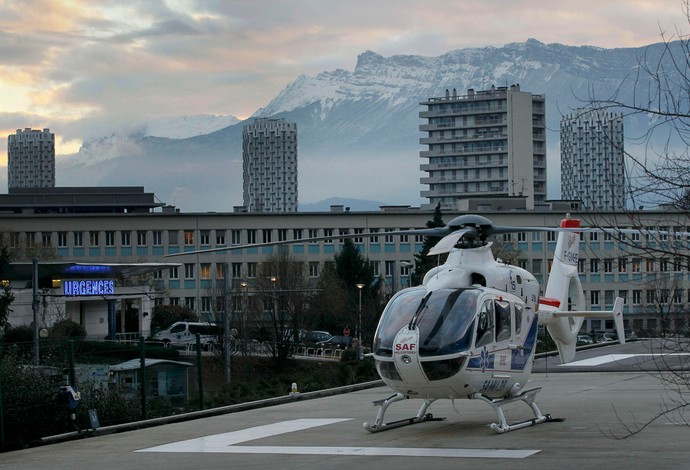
[(359, 328)]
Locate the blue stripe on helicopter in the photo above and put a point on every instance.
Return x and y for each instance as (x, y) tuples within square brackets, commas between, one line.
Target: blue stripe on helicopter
[(522, 355), (484, 361), (519, 357)]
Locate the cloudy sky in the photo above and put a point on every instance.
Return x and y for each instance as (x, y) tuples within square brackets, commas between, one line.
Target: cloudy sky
[(83, 67)]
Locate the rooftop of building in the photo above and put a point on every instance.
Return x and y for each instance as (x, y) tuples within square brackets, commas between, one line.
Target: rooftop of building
[(78, 200)]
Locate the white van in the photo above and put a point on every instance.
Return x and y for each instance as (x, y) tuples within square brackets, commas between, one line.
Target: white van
[(184, 332)]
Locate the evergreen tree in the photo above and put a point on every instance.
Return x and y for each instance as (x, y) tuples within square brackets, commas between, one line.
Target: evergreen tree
[(350, 269), (423, 262), (7, 297)]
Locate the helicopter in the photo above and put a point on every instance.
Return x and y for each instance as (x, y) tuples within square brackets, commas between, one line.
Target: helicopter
[(469, 331)]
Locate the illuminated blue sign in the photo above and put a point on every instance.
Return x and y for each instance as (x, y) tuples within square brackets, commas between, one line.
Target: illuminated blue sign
[(88, 287), (88, 269)]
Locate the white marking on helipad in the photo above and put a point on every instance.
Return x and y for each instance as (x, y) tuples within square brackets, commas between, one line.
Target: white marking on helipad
[(605, 359), (226, 443)]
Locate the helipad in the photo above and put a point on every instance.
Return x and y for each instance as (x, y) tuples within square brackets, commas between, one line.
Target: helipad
[(596, 408)]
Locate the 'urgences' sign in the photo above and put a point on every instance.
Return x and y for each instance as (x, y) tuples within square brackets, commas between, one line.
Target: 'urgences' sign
[(88, 287)]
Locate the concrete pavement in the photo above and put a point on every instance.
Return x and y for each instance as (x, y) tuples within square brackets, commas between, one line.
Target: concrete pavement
[(596, 408)]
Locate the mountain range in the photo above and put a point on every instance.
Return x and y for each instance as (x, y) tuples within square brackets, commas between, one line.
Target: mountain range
[(358, 132)]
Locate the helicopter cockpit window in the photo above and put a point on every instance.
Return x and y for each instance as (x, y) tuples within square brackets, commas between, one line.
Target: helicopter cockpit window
[(502, 309), (444, 318), (397, 314), (446, 327), (485, 324)]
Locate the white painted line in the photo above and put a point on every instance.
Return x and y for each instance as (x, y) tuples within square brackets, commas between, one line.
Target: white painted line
[(596, 361), (225, 443), (605, 359), (219, 441), (385, 451)]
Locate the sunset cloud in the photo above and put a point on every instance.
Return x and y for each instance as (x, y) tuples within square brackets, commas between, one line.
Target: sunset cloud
[(79, 66)]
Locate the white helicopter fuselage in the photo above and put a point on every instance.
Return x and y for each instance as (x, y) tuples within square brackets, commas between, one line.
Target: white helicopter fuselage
[(469, 328)]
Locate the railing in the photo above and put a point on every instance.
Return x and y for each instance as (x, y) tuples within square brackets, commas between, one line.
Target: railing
[(127, 337)]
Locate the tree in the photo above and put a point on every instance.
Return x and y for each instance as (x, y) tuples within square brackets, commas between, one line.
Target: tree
[(336, 304), (7, 297), (329, 310), (165, 315), (424, 262), (660, 172), (658, 175), (351, 269), (283, 292)]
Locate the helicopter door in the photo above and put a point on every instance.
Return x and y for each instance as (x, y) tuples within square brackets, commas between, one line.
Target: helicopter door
[(406, 355), (485, 325)]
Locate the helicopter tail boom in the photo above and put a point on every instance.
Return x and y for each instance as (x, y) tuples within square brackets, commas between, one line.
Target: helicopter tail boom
[(562, 309)]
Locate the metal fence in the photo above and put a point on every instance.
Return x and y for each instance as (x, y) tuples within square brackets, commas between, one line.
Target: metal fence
[(79, 385)]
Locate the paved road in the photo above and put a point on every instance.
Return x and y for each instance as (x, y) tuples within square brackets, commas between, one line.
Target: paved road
[(595, 407)]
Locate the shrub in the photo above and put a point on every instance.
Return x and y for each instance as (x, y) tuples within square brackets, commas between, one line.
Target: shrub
[(67, 329), (19, 334)]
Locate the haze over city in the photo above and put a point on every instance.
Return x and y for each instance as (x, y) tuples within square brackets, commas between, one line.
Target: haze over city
[(87, 69)]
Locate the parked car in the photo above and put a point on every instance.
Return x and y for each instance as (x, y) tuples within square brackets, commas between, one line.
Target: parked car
[(312, 338), (184, 332), (605, 338), (338, 341), (584, 339)]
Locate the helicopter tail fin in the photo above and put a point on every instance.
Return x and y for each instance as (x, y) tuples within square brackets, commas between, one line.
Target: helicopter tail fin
[(562, 309)]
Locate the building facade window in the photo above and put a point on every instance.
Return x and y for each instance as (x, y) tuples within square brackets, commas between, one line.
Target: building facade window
[(189, 237), (189, 271), (251, 270), (62, 239), (205, 269), (236, 237), (205, 238), (236, 270), (110, 238), (594, 297), (220, 237)]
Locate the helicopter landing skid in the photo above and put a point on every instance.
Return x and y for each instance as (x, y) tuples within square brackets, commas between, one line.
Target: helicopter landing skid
[(527, 397), (383, 405)]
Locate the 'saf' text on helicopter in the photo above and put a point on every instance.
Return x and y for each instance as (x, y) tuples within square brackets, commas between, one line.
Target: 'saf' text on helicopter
[(469, 330)]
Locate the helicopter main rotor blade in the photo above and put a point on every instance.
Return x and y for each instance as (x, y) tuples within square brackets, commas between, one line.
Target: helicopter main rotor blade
[(435, 232), (448, 242)]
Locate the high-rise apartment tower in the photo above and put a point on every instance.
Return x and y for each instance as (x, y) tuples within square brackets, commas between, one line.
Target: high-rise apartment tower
[(269, 156), (593, 159), (31, 159), (489, 143)]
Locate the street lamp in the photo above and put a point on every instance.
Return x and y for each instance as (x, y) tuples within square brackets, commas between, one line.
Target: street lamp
[(359, 328)]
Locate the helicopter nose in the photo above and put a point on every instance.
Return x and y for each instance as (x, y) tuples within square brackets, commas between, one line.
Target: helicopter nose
[(406, 356)]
